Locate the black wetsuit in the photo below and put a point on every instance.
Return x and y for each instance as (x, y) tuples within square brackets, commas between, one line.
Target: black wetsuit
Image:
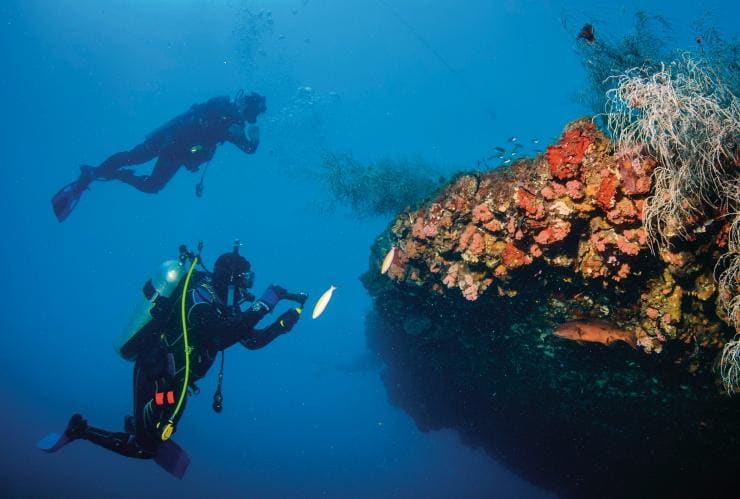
[(187, 140), (160, 368)]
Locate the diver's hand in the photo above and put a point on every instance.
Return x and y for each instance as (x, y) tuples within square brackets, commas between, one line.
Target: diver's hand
[(296, 297), (253, 134), (288, 319)]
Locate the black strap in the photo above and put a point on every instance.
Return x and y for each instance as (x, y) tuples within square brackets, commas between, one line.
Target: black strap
[(218, 397), (199, 186)]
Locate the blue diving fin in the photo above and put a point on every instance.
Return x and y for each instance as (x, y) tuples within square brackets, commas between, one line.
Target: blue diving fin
[(53, 442), (172, 458)]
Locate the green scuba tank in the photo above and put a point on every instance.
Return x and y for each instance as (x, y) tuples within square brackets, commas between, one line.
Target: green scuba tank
[(154, 304)]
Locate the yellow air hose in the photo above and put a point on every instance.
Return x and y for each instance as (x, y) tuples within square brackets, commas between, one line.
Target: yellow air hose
[(170, 426)]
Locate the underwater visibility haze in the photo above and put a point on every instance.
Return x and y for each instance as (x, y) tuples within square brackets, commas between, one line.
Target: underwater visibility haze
[(450, 249)]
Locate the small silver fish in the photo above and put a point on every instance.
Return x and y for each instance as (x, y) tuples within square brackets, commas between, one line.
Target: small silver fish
[(513, 139)]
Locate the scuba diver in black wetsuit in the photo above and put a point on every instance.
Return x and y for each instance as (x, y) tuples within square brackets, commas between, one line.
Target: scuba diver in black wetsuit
[(160, 333), (188, 140)]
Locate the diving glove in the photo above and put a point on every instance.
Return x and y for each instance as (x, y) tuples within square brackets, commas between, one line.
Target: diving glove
[(288, 319)]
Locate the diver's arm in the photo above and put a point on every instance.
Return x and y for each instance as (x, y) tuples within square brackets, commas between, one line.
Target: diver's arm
[(207, 317), (258, 338), (241, 326), (247, 142)]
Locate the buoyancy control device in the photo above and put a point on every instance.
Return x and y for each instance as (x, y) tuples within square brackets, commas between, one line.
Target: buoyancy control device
[(154, 306)]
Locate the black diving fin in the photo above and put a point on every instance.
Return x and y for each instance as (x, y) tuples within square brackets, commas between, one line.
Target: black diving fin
[(68, 196), (65, 200)]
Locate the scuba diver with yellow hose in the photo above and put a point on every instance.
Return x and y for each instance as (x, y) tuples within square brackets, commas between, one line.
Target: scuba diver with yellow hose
[(189, 140), (184, 320)]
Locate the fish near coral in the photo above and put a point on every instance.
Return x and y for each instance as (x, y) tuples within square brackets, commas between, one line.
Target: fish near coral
[(595, 331), (388, 260)]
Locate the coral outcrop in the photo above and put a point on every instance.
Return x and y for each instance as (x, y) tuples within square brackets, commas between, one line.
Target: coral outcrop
[(494, 261), (574, 215)]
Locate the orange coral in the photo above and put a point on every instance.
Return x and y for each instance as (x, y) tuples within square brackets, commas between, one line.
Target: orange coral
[(470, 288), (623, 272), (548, 193), (514, 257), (430, 230), (476, 246), (417, 230), (481, 213), (635, 174), (494, 226), (450, 280), (574, 189), (600, 239), (607, 190), (553, 233), (529, 203), (565, 157), (465, 237), (627, 247), (624, 212), (636, 235)]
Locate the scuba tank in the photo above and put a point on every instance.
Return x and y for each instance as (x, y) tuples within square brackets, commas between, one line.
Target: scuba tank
[(147, 321), (154, 304)]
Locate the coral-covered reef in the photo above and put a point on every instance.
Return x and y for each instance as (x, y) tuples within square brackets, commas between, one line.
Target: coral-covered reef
[(485, 269)]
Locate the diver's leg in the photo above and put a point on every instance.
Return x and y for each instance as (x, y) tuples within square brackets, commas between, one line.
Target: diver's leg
[(119, 442), (141, 441), (147, 415), (146, 151), (163, 171)]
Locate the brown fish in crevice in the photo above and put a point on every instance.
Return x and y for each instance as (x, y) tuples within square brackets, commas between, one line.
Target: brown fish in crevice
[(595, 331)]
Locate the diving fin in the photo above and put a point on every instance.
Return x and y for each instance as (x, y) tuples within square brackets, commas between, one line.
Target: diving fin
[(65, 201), (53, 442), (68, 196), (172, 458)]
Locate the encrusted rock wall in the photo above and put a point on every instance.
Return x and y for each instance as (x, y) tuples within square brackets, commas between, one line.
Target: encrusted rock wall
[(572, 215), (485, 269)]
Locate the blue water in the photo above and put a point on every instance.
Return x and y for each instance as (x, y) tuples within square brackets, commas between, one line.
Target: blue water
[(307, 416)]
